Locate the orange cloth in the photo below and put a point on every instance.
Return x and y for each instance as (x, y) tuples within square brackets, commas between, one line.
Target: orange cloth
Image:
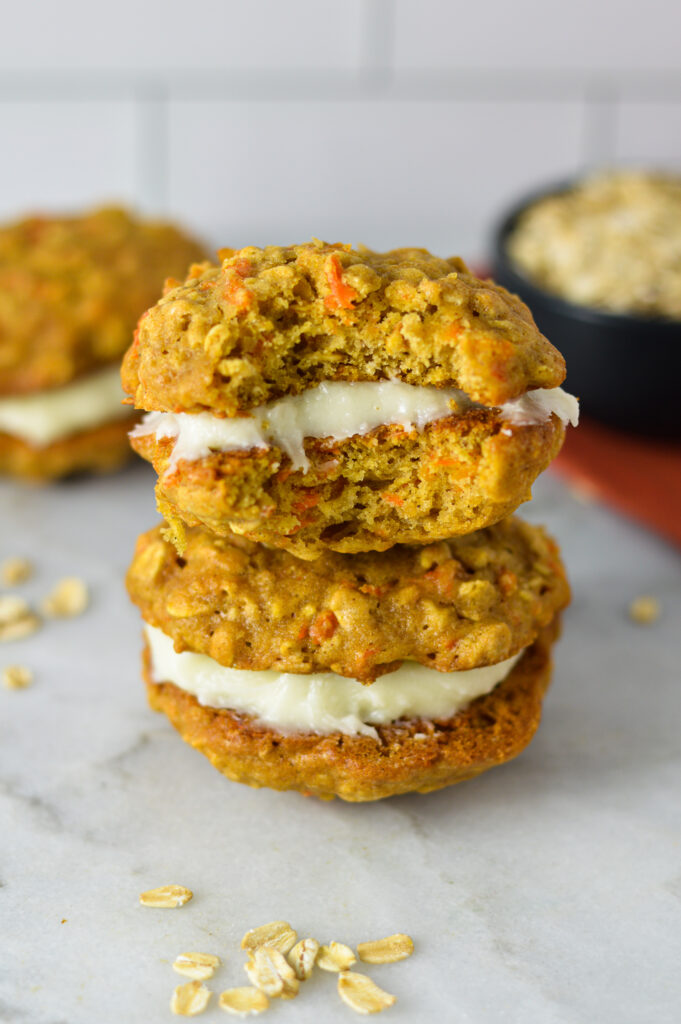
[(638, 476)]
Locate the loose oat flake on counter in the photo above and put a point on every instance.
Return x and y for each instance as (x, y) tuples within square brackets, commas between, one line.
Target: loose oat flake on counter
[(15, 570), (16, 677), (191, 999), (166, 896), (198, 966)]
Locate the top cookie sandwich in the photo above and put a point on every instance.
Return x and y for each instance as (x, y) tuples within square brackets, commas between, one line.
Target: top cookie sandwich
[(318, 397), (71, 291)]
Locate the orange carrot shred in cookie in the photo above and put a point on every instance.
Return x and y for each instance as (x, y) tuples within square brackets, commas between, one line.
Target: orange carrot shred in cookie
[(342, 295)]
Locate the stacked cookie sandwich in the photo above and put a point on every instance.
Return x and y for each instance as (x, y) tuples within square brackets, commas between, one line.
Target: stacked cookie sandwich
[(71, 290), (339, 602)]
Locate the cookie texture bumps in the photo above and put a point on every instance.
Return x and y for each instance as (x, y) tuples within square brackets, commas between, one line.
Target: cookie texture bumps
[(277, 322), (72, 289), (274, 321), (456, 605), (408, 756)]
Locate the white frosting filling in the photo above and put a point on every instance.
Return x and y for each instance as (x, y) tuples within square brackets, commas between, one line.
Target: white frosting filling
[(323, 702), (537, 406), (46, 416), (336, 410)]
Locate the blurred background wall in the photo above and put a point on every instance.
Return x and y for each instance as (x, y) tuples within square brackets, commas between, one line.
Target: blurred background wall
[(381, 121)]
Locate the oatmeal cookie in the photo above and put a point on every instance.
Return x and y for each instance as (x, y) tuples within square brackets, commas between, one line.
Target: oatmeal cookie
[(456, 605)]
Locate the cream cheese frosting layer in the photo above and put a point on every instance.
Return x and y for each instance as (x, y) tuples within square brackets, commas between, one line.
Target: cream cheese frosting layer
[(322, 702), (336, 410), (47, 416)]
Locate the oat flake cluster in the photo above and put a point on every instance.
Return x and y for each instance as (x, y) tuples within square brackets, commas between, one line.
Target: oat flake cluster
[(277, 964), (18, 619)]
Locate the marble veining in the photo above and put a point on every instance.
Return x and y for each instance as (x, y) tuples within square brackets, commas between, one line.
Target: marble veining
[(544, 892)]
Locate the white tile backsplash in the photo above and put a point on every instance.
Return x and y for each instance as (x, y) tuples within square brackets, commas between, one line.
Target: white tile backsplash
[(649, 133), (66, 155), (385, 173), (387, 121), (529, 35), (172, 36)]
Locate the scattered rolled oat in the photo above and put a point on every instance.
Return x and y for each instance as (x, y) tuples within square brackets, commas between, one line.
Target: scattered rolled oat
[(302, 958), (335, 957), (16, 677), (166, 896), (12, 608), (361, 994), (386, 951), (270, 972), (189, 1000), (15, 570), (16, 618), (69, 598), (644, 609), (244, 1001), (277, 935), (199, 966)]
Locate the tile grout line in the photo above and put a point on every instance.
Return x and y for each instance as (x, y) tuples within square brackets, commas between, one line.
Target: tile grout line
[(601, 105), (151, 147), (377, 79)]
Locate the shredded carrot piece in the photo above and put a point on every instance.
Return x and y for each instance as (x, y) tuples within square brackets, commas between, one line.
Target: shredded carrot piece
[(242, 267), (306, 501), (508, 581), (323, 627), (374, 590), (393, 499), (235, 292), (443, 577), (169, 284), (342, 295)]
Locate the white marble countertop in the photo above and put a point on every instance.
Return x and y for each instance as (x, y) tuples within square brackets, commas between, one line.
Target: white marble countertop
[(548, 890)]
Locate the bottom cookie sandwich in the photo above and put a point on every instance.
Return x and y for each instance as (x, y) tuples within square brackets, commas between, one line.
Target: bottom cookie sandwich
[(358, 676)]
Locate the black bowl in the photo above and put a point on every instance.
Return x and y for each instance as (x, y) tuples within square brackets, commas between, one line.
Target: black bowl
[(625, 369)]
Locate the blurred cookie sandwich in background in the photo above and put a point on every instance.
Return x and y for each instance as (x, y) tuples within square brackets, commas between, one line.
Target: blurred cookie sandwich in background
[(71, 291)]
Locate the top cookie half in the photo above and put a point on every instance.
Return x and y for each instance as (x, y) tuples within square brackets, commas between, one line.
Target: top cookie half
[(275, 321)]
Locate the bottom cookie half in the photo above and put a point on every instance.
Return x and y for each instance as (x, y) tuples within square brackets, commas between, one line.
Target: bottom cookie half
[(102, 449), (409, 756)]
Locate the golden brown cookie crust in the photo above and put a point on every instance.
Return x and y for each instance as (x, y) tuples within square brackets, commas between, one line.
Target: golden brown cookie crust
[(275, 321), (366, 493), (72, 289), (456, 605), (100, 450), (412, 756)]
